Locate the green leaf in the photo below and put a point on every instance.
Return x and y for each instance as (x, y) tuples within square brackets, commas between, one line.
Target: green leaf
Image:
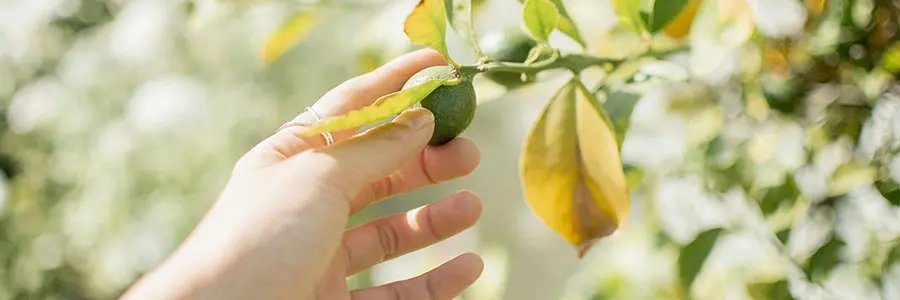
[(693, 256), (571, 171), (778, 290), (633, 175), (784, 195), (889, 189), (893, 258), (540, 18), (566, 25), (783, 235), (534, 54), (459, 13), (426, 25), (620, 105), (824, 260), (664, 11), (680, 25), (384, 107), (628, 13), (292, 32)]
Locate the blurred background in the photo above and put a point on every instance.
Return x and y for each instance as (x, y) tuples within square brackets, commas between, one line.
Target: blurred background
[(762, 158)]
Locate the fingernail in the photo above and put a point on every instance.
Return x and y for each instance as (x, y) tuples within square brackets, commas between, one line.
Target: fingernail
[(415, 118), (465, 194)]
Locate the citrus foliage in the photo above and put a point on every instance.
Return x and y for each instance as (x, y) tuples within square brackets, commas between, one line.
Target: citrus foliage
[(540, 18), (384, 107), (427, 25), (292, 32), (571, 172), (784, 130)]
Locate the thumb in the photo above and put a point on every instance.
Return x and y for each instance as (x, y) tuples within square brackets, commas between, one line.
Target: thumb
[(355, 163)]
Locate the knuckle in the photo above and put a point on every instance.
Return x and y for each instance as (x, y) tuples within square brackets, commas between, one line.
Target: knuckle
[(382, 188), (429, 225), (389, 239), (430, 288), (326, 177), (397, 290)]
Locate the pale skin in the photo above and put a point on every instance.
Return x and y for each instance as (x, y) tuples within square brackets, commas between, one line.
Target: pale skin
[(278, 230)]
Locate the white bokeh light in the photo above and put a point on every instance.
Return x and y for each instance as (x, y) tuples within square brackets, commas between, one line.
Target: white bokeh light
[(167, 102), (36, 104)]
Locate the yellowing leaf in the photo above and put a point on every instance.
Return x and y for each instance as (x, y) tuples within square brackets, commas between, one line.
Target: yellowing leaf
[(384, 107), (540, 18), (459, 13), (566, 25), (291, 32), (426, 25), (849, 176), (571, 171), (681, 25), (890, 60), (815, 6), (628, 13), (664, 12)]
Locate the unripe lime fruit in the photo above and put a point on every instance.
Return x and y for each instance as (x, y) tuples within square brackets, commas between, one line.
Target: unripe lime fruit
[(507, 46), (453, 106)]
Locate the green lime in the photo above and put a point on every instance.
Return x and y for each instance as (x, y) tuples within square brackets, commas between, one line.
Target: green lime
[(453, 106), (507, 46)]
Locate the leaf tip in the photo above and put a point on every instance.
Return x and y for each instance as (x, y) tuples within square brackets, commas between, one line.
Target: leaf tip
[(584, 246)]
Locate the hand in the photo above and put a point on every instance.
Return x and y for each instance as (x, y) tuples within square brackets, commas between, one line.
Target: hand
[(278, 229)]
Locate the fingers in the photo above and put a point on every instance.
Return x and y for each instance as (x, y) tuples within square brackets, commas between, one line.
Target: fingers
[(363, 90), (434, 164), (399, 234), (444, 282), (352, 165), (276, 148), (350, 95)]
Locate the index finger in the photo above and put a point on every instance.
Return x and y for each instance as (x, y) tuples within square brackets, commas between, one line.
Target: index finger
[(363, 90), (351, 95)]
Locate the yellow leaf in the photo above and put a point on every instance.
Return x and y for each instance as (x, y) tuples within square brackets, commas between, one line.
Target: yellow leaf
[(540, 18), (571, 171), (384, 107), (681, 25), (426, 25), (815, 6), (890, 60), (600, 154), (291, 32)]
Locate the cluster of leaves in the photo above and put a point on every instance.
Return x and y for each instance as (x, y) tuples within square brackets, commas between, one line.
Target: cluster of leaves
[(835, 83), (797, 82), (571, 170)]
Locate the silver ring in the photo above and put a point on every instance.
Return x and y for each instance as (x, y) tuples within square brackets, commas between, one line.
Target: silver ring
[(329, 139)]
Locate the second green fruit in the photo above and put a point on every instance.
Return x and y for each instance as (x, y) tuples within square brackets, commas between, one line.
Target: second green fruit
[(507, 46)]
